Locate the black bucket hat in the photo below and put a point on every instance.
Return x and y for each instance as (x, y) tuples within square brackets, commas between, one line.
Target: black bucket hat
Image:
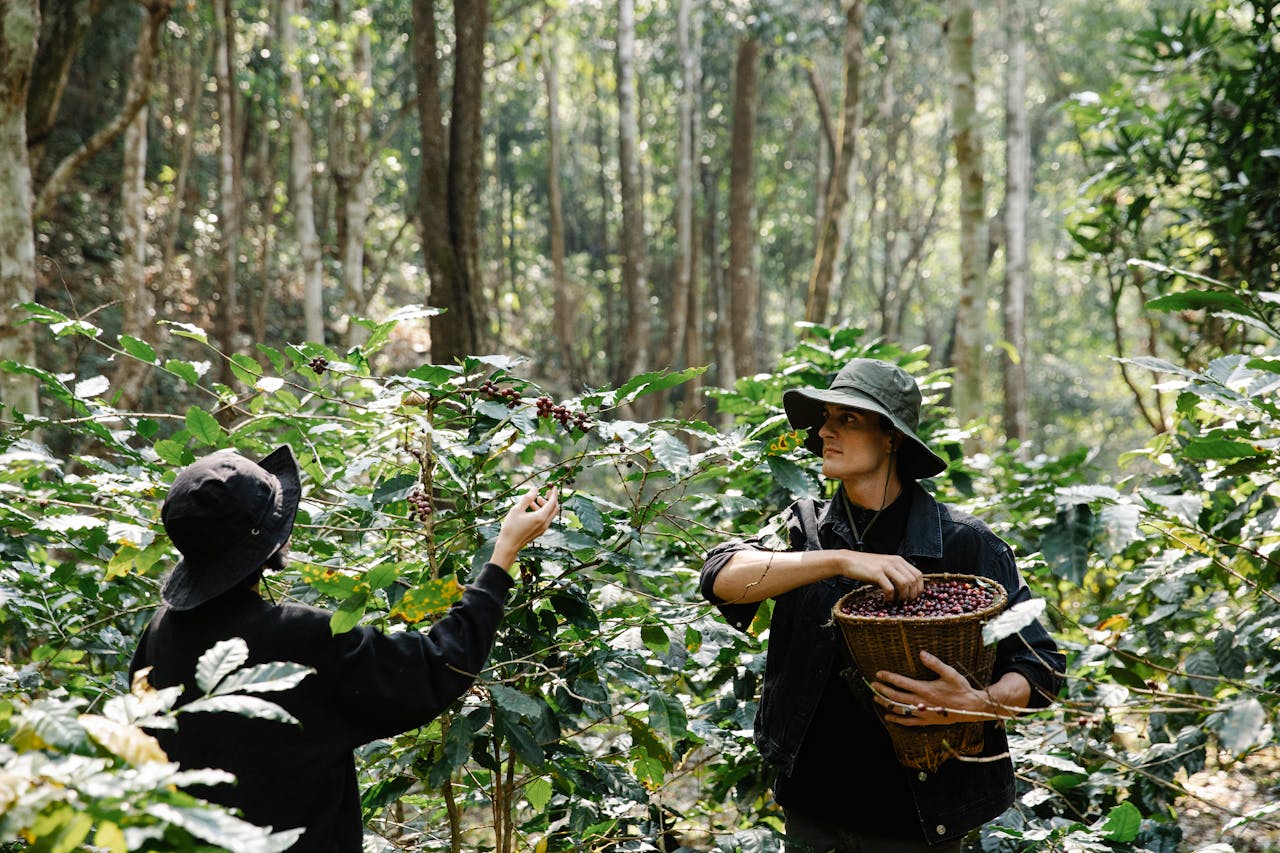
[(226, 515), (876, 386)]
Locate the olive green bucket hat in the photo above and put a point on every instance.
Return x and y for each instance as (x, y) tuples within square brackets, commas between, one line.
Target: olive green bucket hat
[(876, 386)]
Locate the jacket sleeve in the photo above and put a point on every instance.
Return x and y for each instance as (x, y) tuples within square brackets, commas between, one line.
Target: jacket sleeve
[(395, 682), (783, 532)]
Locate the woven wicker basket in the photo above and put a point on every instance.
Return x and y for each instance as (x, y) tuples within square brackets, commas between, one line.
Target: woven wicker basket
[(894, 643)]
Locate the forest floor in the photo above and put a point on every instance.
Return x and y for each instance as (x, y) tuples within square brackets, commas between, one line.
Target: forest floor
[(1238, 789)]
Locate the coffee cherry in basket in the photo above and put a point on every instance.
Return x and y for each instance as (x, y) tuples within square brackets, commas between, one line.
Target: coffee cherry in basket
[(944, 598)]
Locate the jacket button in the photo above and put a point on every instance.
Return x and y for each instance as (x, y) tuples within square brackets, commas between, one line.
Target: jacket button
[(923, 777), (940, 829)]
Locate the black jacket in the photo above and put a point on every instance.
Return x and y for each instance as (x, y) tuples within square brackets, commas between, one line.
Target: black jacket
[(803, 649), (366, 685)]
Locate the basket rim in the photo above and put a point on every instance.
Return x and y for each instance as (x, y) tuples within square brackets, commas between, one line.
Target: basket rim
[(997, 604)]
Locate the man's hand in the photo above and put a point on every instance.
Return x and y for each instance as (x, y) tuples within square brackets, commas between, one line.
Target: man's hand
[(525, 522), (900, 580), (947, 699)]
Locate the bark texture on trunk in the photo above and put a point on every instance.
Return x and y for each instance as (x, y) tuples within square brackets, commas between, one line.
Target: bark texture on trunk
[(138, 298), (449, 197), (744, 309), (19, 32), (834, 231), (1017, 215), (971, 306), (302, 180), (635, 283)]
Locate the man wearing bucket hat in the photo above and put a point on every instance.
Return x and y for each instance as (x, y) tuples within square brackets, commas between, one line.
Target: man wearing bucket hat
[(839, 783), (230, 518)]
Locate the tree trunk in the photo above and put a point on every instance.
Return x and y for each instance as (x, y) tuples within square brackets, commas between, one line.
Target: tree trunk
[(1017, 206), (157, 11), (694, 327), (228, 292), (19, 32), (349, 151), (635, 285), (971, 313), (743, 307), (565, 320), (831, 244), (302, 178), (137, 297), (678, 315), (62, 32), (448, 203)]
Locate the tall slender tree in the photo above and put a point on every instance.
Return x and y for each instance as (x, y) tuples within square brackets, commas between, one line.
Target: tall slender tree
[(451, 172), (302, 177), (565, 311), (1017, 203), (635, 283), (19, 32), (971, 304), (743, 304), (138, 298), (833, 237), (228, 305)]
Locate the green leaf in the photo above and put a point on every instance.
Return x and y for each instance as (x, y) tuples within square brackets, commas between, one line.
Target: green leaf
[(186, 330), (524, 743), (1219, 448), (204, 427), (644, 739), (588, 516), (1196, 299), (667, 714), (223, 830), (187, 371), (139, 349), (170, 451), (1012, 620), (655, 637), (1123, 823), (514, 702), (1242, 726), (245, 706), (246, 369), (791, 477), (538, 793), (670, 452), (265, 678), (220, 661), (1065, 545), (348, 614)]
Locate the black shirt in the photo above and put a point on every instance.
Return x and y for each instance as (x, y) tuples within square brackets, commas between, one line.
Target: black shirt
[(846, 772), (366, 685)]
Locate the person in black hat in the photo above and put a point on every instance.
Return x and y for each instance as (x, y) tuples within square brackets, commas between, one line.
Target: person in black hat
[(838, 781), (230, 518)]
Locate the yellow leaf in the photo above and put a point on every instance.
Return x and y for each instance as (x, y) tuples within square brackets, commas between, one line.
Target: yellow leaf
[(110, 837), (129, 742), (434, 596)]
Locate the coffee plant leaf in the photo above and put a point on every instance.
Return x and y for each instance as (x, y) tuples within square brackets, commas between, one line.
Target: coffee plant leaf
[(219, 661), (1123, 823), (245, 706), (514, 702), (1242, 725), (537, 793), (224, 830), (349, 613), (264, 678), (128, 742), (1012, 620), (427, 598), (204, 427)]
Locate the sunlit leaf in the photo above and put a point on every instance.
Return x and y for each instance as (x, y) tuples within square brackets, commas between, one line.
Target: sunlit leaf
[(219, 661), (433, 596)]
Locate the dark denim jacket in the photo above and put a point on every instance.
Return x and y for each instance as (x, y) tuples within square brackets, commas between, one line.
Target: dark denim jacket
[(802, 647)]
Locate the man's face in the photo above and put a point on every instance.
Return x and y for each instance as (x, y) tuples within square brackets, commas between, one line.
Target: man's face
[(854, 444)]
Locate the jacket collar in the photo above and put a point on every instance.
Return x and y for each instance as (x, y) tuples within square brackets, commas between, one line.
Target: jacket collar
[(924, 524)]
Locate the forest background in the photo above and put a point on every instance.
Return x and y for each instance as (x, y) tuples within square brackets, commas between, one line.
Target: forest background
[(383, 231)]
